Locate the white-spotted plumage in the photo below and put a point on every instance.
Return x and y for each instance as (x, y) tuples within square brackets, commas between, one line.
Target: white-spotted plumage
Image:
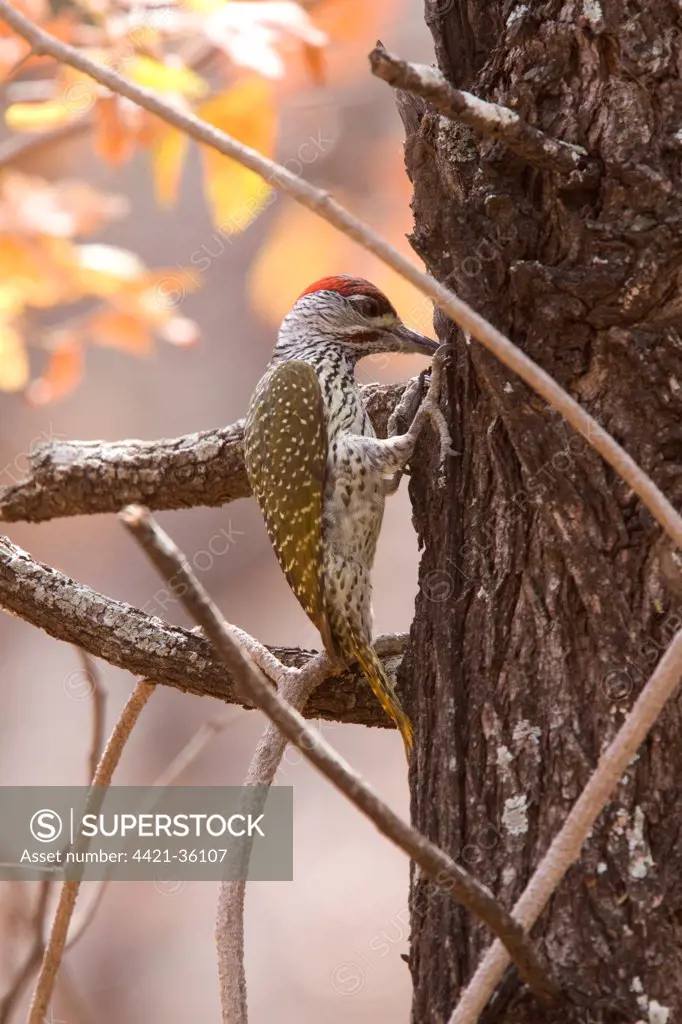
[(317, 469)]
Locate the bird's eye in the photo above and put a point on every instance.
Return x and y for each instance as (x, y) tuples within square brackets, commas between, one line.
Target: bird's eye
[(368, 307)]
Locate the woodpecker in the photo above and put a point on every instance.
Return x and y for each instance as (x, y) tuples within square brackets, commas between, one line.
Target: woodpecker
[(319, 473)]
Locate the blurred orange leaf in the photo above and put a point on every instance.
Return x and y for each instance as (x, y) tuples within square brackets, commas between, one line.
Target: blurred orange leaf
[(352, 26), (300, 248), (124, 331), (314, 60), (235, 194), (31, 271), (169, 151), (113, 141), (14, 369), (64, 371)]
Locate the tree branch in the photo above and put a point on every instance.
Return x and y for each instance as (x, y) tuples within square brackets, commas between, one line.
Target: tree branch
[(254, 686), (71, 478), (147, 646), (491, 120), (296, 689), (566, 845), (324, 206), (54, 950), (98, 705), (17, 148), (23, 975)]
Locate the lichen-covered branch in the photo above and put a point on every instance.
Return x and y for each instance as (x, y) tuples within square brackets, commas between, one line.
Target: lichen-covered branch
[(147, 646), (70, 478), (490, 120)]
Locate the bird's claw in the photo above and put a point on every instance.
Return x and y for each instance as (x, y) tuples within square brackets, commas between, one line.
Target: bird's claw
[(407, 407), (414, 408), (437, 367)]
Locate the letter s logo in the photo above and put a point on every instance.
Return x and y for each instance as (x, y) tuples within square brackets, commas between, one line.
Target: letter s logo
[(46, 826)]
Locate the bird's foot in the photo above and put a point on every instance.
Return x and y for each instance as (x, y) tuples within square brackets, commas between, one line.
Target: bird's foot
[(404, 413), (430, 408), (406, 409)]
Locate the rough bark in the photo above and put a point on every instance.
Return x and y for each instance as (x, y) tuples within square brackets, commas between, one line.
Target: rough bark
[(70, 478), (167, 654), (546, 594)]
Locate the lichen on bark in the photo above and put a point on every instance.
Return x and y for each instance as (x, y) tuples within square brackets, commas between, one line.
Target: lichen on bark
[(546, 593)]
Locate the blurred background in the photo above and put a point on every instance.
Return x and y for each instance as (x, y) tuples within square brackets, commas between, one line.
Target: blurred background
[(84, 355)]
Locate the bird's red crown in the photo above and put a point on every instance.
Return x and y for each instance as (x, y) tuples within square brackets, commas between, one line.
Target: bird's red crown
[(346, 285)]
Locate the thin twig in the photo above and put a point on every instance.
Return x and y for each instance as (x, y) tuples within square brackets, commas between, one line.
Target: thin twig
[(566, 845), (18, 148), (324, 206), (253, 685), (491, 120), (54, 949), (192, 749), (177, 767), (15, 69), (25, 972), (35, 955), (296, 688), (98, 698), (88, 917)]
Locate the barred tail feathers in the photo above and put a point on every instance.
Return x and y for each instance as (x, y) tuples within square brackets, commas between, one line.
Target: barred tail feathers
[(375, 674)]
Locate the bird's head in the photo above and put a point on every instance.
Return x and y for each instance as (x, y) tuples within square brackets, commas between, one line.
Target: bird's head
[(350, 314)]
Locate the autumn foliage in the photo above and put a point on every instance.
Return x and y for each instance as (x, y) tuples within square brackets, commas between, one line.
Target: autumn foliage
[(232, 63)]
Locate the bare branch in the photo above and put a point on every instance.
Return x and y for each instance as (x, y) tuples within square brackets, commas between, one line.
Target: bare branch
[(16, 68), (254, 686), (98, 703), (172, 656), (16, 148), (14, 71), (324, 206), (192, 749), (294, 687), (566, 845), (54, 950), (168, 777), (35, 954), (70, 478), (491, 120), (24, 973)]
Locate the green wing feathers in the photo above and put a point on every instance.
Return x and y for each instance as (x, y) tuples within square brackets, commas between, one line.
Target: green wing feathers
[(285, 451)]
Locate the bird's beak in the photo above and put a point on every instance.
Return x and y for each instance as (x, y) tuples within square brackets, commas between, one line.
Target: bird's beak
[(410, 341)]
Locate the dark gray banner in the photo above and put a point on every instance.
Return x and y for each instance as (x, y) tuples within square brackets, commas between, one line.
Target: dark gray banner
[(146, 833)]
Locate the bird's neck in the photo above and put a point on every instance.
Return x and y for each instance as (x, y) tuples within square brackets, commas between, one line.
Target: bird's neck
[(335, 370), (330, 359)]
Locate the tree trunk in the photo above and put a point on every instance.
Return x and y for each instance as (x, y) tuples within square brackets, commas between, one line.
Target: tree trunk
[(547, 594)]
